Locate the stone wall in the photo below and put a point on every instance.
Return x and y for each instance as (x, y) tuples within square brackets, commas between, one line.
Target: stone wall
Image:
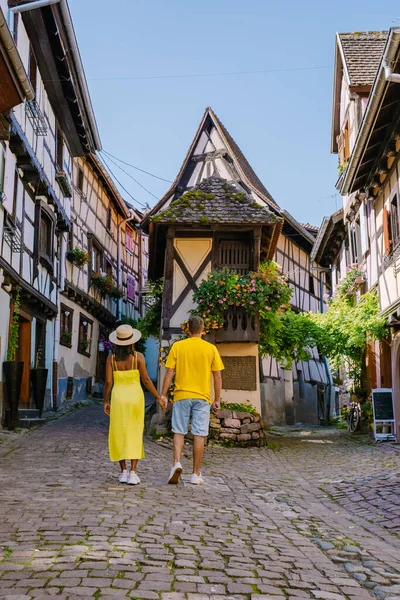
[(238, 428)]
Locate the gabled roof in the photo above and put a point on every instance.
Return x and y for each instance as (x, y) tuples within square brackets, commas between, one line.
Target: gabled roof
[(243, 166), (362, 52), (329, 239), (215, 200), (357, 56)]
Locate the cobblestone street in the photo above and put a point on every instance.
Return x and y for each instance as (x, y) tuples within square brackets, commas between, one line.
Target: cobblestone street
[(315, 517)]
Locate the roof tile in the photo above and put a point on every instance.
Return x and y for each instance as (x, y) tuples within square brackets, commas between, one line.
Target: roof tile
[(216, 201), (363, 53)]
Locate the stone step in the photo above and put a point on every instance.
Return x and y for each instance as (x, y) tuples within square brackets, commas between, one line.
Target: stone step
[(30, 423), (28, 413)]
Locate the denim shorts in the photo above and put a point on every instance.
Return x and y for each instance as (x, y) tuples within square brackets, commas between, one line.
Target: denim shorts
[(198, 410)]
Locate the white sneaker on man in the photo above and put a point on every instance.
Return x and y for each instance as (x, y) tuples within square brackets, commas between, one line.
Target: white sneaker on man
[(133, 478), (176, 472), (196, 479), (123, 478)]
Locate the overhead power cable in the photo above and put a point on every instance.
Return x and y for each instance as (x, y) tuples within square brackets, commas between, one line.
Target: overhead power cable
[(134, 167), (103, 160), (195, 75), (131, 176)]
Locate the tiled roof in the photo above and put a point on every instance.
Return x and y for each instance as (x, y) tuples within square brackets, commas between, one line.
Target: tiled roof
[(363, 53), (311, 228), (215, 200), (243, 162)]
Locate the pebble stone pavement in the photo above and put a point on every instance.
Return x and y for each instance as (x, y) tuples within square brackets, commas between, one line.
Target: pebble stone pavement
[(315, 517)]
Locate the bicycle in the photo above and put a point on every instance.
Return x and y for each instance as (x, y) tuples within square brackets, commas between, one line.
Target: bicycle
[(354, 417)]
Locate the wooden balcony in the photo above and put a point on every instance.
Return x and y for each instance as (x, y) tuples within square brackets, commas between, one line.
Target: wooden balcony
[(239, 327)]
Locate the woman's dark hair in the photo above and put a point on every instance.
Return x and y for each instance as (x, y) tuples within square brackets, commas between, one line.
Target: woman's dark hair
[(122, 352)]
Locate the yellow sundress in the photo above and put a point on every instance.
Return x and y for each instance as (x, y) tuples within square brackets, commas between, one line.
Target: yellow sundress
[(125, 437)]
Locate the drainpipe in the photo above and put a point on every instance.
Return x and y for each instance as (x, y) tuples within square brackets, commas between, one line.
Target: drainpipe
[(132, 215), (62, 263), (389, 75), (15, 59)]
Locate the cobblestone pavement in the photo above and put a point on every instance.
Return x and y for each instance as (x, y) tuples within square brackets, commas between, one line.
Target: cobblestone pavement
[(311, 518)]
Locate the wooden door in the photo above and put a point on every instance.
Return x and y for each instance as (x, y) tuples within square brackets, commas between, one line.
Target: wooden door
[(24, 354)]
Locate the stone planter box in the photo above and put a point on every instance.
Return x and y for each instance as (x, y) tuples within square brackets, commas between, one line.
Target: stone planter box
[(237, 428)]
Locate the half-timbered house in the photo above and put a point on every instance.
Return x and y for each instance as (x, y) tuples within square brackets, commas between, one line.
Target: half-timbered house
[(45, 133), (184, 251), (106, 230), (365, 135)]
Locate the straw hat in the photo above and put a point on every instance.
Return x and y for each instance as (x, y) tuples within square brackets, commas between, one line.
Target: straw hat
[(125, 335)]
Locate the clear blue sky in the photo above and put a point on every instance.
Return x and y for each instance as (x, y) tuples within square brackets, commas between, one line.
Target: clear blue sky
[(280, 120)]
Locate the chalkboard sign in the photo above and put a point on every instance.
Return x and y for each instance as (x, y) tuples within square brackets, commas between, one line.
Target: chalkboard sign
[(383, 405)]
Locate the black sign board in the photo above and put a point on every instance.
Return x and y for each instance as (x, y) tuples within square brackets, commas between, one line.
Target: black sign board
[(383, 405)]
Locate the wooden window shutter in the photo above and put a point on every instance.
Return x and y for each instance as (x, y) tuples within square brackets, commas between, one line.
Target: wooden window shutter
[(131, 285), (386, 230)]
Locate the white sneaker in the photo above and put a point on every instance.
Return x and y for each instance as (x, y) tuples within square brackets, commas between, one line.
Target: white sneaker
[(196, 479), (123, 478), (133, 478), (176, 472)]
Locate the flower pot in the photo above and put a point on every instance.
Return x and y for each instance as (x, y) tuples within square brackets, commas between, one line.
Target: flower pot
[(13, 371), (39, 380)]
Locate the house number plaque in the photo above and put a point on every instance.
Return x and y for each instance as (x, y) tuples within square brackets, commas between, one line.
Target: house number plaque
[(240, 373)]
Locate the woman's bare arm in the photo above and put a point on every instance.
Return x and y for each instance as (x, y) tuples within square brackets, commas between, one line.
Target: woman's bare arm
[(108, 385), (147, 382)]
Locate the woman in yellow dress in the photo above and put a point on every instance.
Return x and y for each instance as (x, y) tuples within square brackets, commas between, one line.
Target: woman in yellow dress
[(124, 370)]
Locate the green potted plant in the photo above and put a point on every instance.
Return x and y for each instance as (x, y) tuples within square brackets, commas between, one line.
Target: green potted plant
[(66, 337), (39, 380), (12, 368), (78, 257)]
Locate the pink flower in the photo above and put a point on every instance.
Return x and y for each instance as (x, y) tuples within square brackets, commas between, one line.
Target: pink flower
[(208, 311), (225, 299), (200, 300), (221, 301), (252, 302), (267, 308)]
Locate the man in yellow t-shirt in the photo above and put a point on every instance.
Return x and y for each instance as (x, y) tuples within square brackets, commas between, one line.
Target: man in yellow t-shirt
[(192, 361)]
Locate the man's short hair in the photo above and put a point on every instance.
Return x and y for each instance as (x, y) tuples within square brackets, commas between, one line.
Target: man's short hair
[(196, 325)]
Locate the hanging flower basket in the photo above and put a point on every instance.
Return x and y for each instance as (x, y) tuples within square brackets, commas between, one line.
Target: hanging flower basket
[(78, 257)]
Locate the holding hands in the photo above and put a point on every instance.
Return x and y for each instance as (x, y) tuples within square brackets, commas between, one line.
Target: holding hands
[(163, 402)]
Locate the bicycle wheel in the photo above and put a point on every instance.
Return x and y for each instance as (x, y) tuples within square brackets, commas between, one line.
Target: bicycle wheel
[(354, 419)]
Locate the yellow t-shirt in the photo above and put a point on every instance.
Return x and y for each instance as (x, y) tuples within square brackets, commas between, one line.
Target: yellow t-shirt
[(193, 360)]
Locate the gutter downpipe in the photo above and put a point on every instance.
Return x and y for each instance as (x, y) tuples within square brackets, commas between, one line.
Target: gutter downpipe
[(374, 103), (132, 215), (15, 59)]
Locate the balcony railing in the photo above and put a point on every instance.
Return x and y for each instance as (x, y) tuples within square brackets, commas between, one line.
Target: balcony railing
[(36, 117), (238, 327)]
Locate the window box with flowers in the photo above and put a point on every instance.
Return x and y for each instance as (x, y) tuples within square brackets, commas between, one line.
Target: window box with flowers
[(105, 286), (78, 257)]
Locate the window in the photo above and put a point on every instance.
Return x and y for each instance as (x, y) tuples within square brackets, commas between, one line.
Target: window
[(235, 254), (32, 69), (15, 27), (66, 320), (109, 219), (354, 233), (85, 335), (97, 259), (129, 240), (45, 235), (71, 237), (364, 228), (131, 287), (395, 223), (300, 379), (59, 150), (311, 284), (109, 268), (79, 179)]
